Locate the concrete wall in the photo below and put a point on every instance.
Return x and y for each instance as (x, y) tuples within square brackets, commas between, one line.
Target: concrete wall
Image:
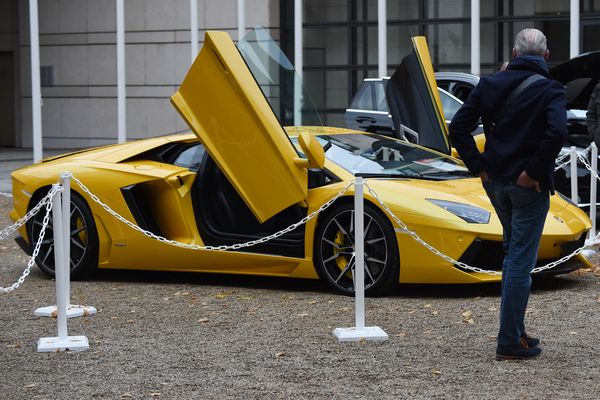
[(78, 40)]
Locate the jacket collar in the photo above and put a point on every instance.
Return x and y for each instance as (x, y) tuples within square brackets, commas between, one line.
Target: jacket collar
[(532, 63)]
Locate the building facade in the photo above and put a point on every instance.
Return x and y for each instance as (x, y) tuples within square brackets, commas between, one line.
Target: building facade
[(78, 53)]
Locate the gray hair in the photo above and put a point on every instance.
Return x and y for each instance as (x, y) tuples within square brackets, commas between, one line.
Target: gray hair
[(530, 41)]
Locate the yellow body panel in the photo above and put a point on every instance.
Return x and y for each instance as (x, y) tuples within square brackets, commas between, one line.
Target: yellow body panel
[(221, 102)]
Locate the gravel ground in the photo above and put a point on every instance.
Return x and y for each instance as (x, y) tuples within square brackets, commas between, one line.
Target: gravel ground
[(197, 336)]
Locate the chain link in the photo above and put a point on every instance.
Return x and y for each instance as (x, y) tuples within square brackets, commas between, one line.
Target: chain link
[(7, 195), (461, 264), (47, 201), (236, 246), (6, 232)]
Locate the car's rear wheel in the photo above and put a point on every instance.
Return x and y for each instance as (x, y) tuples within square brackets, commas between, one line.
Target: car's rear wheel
[(83, 240), (334, 249)]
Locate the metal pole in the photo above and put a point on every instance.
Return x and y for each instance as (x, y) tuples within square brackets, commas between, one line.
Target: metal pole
[(593, 189), (65, 181), (298, 61), (241, 18), (573, 161), (574, 28), (359, 254), (382, 37), (194, 28), (36, 96), (475, 33), (121, 90), (59, 264)]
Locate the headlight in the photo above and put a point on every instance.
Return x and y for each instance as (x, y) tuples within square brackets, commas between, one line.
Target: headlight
[(469, 213)]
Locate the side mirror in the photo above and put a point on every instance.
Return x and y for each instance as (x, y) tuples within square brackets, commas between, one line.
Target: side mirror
[(312, 149)]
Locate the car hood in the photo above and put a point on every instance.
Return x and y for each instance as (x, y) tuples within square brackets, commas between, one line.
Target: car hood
[(579, 75), (414, 100)]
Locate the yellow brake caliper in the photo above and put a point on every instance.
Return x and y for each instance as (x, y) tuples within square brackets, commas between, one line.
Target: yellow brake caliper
[(341, 260)]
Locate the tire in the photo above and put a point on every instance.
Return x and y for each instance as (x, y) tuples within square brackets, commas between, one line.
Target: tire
[(84, 240), (334, 246)]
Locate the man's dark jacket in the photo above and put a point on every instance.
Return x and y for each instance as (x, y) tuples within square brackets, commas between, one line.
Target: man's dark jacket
[(530, 133)]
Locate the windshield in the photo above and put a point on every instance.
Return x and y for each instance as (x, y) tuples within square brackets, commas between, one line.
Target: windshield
[(371, 155), (278, 80)]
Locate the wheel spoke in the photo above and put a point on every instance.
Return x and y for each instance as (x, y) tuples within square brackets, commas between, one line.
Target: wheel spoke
[(48, 241), (76, 231), (371, 241), (47, 254), (334, 244), (368, 226), (371, 259), (344, 232), (345, 270), (333, 257), (368, 272), (76, 243)]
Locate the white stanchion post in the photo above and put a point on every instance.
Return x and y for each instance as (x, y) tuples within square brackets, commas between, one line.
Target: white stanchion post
[(573, 154), (73, 310), (359, 332), (593, 189), (63, 341)]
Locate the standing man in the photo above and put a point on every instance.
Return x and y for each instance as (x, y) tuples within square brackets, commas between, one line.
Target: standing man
[(593, 112), (524, 117)]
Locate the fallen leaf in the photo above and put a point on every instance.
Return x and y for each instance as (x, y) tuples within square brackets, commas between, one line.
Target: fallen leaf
[(154, 394), (572, 333), (439, 337), (129, 321), (126, 395), (467, 314), (185, 293), (492, 309), (436, 372), (427, 306), (280, 354), (434, 313), (30, 386), (166, 298), (412, 311), (401, 334), (203, 320), (303, 315), (315, 301)]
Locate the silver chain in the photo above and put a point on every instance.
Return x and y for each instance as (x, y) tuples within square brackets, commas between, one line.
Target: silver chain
[(6, 232), (461, 264), (36, 250), (7, 195), (236, 246)]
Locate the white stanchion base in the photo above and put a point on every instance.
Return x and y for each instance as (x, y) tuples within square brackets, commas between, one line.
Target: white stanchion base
[(72, 311), (54, 344), (355, 335)]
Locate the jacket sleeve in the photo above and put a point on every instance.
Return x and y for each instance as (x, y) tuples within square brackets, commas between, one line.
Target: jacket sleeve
[(592, 116), (463, 123), (555, 135)]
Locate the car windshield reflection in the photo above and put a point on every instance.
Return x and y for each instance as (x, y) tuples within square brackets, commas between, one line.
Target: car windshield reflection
[(372, 155)]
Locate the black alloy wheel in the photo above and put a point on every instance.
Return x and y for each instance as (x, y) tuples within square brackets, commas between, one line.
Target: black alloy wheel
[(83, 235), (334, 249)]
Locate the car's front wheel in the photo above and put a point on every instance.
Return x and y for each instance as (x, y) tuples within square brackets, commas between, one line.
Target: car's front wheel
[(83, 240), (334, 250)]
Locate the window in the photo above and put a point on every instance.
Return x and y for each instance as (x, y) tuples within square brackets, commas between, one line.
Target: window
[(364, 98)]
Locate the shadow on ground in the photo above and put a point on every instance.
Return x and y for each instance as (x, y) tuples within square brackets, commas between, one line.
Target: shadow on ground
[(540, 284)]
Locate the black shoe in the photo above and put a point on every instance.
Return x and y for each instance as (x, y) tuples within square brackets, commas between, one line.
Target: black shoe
[(520, 351), (531, 341)]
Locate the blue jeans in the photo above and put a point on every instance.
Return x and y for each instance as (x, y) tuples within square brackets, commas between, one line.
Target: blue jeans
[(522, 212)]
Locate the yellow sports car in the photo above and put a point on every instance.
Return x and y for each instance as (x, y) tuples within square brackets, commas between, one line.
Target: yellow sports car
[(241, 176)]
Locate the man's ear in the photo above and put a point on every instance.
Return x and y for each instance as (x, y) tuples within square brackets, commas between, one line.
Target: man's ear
[(547, 55), (514, 53)]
